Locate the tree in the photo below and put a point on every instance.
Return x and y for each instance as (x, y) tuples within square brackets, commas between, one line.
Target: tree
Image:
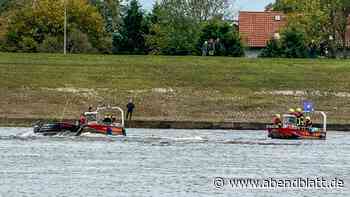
[(132, 28), (339, 11), (131, 37), (310, 16), (291, 45), (45, 19), (3, 29), (51, 45), (172, 30), (325, 21), (226, 37), (273, 49), (288, 6), (111, 13), (294, 43), (201, 10)]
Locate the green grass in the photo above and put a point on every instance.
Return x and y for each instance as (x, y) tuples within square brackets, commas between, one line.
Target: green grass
[(204, 88)]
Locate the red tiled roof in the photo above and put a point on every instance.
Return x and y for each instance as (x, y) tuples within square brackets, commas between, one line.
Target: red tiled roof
[(257, 28)]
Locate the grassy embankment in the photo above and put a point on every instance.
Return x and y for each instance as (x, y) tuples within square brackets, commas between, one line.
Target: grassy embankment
[(171, 88)]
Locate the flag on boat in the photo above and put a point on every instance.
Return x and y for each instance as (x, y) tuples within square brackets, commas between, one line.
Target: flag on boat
[(308, 106)]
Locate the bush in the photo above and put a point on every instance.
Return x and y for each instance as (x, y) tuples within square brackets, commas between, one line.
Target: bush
[(294, 43), (51, 45), (227, 41), (273, 49), (28, 44), (78, 42)]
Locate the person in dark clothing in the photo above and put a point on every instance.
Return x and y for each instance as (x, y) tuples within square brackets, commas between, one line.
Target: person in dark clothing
[(131, 108), (308, 123)]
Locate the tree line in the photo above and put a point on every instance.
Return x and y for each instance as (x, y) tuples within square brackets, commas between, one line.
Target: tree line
[(314, 28), (173, 27)]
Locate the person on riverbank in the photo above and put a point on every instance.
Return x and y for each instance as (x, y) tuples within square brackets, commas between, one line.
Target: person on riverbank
[(205, 48), (130, 106)]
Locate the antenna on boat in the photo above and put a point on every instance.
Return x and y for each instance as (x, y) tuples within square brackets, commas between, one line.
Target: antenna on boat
[(64, 109)]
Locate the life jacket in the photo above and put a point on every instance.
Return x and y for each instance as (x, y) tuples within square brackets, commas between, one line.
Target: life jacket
[(300, 119)]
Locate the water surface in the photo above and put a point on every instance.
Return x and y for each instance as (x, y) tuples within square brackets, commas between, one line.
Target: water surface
[(165, 163)]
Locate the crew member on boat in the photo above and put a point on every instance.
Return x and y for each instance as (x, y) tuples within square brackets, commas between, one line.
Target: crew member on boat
[(308, 122), (300, 117), (82, 119), (277, 120), (107, 119), (292, 111)]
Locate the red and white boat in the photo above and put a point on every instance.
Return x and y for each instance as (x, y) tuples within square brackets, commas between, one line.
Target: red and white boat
[(104, 121), (290, 130)]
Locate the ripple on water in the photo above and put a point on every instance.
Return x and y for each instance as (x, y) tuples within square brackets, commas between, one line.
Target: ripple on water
[(163, 162)]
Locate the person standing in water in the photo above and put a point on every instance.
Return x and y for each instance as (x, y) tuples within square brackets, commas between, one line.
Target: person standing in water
[(131, 108)]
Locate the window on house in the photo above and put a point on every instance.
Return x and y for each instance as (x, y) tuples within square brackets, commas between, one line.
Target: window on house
[(277, 18)]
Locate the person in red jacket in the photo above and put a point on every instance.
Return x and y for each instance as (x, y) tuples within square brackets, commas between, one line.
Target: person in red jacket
[(277, 120), (82, 119)]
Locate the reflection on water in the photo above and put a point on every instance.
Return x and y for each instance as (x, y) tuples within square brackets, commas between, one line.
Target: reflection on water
[(164, 163)]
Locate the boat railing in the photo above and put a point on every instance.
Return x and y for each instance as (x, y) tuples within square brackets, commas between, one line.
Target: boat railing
[(99, 109)]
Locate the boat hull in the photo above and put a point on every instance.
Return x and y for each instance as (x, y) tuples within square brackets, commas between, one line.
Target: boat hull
[(291, 133), (51, 129), (105, 129)]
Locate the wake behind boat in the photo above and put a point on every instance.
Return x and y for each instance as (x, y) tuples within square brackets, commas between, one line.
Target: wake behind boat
[(102, 121)]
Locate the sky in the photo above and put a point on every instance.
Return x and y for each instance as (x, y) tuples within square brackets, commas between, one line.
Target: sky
[(245, 5)]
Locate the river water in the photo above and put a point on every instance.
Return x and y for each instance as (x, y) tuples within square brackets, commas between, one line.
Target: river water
[(166, 163)]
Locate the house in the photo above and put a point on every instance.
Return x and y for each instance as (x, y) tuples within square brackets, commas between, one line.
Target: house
[(257, 28)]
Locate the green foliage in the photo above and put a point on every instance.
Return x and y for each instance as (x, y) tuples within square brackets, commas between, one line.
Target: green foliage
[(228, 42), (319, 19), (78, 42), (117, 43), (131, 37), (294, 43), (291, 45), (28, 44), (172, 32), (133, 29), (111, 12), (287, 6), (273, 49), (51, 45), (31, 25)]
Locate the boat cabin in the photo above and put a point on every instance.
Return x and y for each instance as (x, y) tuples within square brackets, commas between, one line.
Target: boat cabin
[(106, 116), (290, 121)]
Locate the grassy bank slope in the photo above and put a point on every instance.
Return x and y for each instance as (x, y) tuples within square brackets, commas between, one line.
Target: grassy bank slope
[(171, 88)]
